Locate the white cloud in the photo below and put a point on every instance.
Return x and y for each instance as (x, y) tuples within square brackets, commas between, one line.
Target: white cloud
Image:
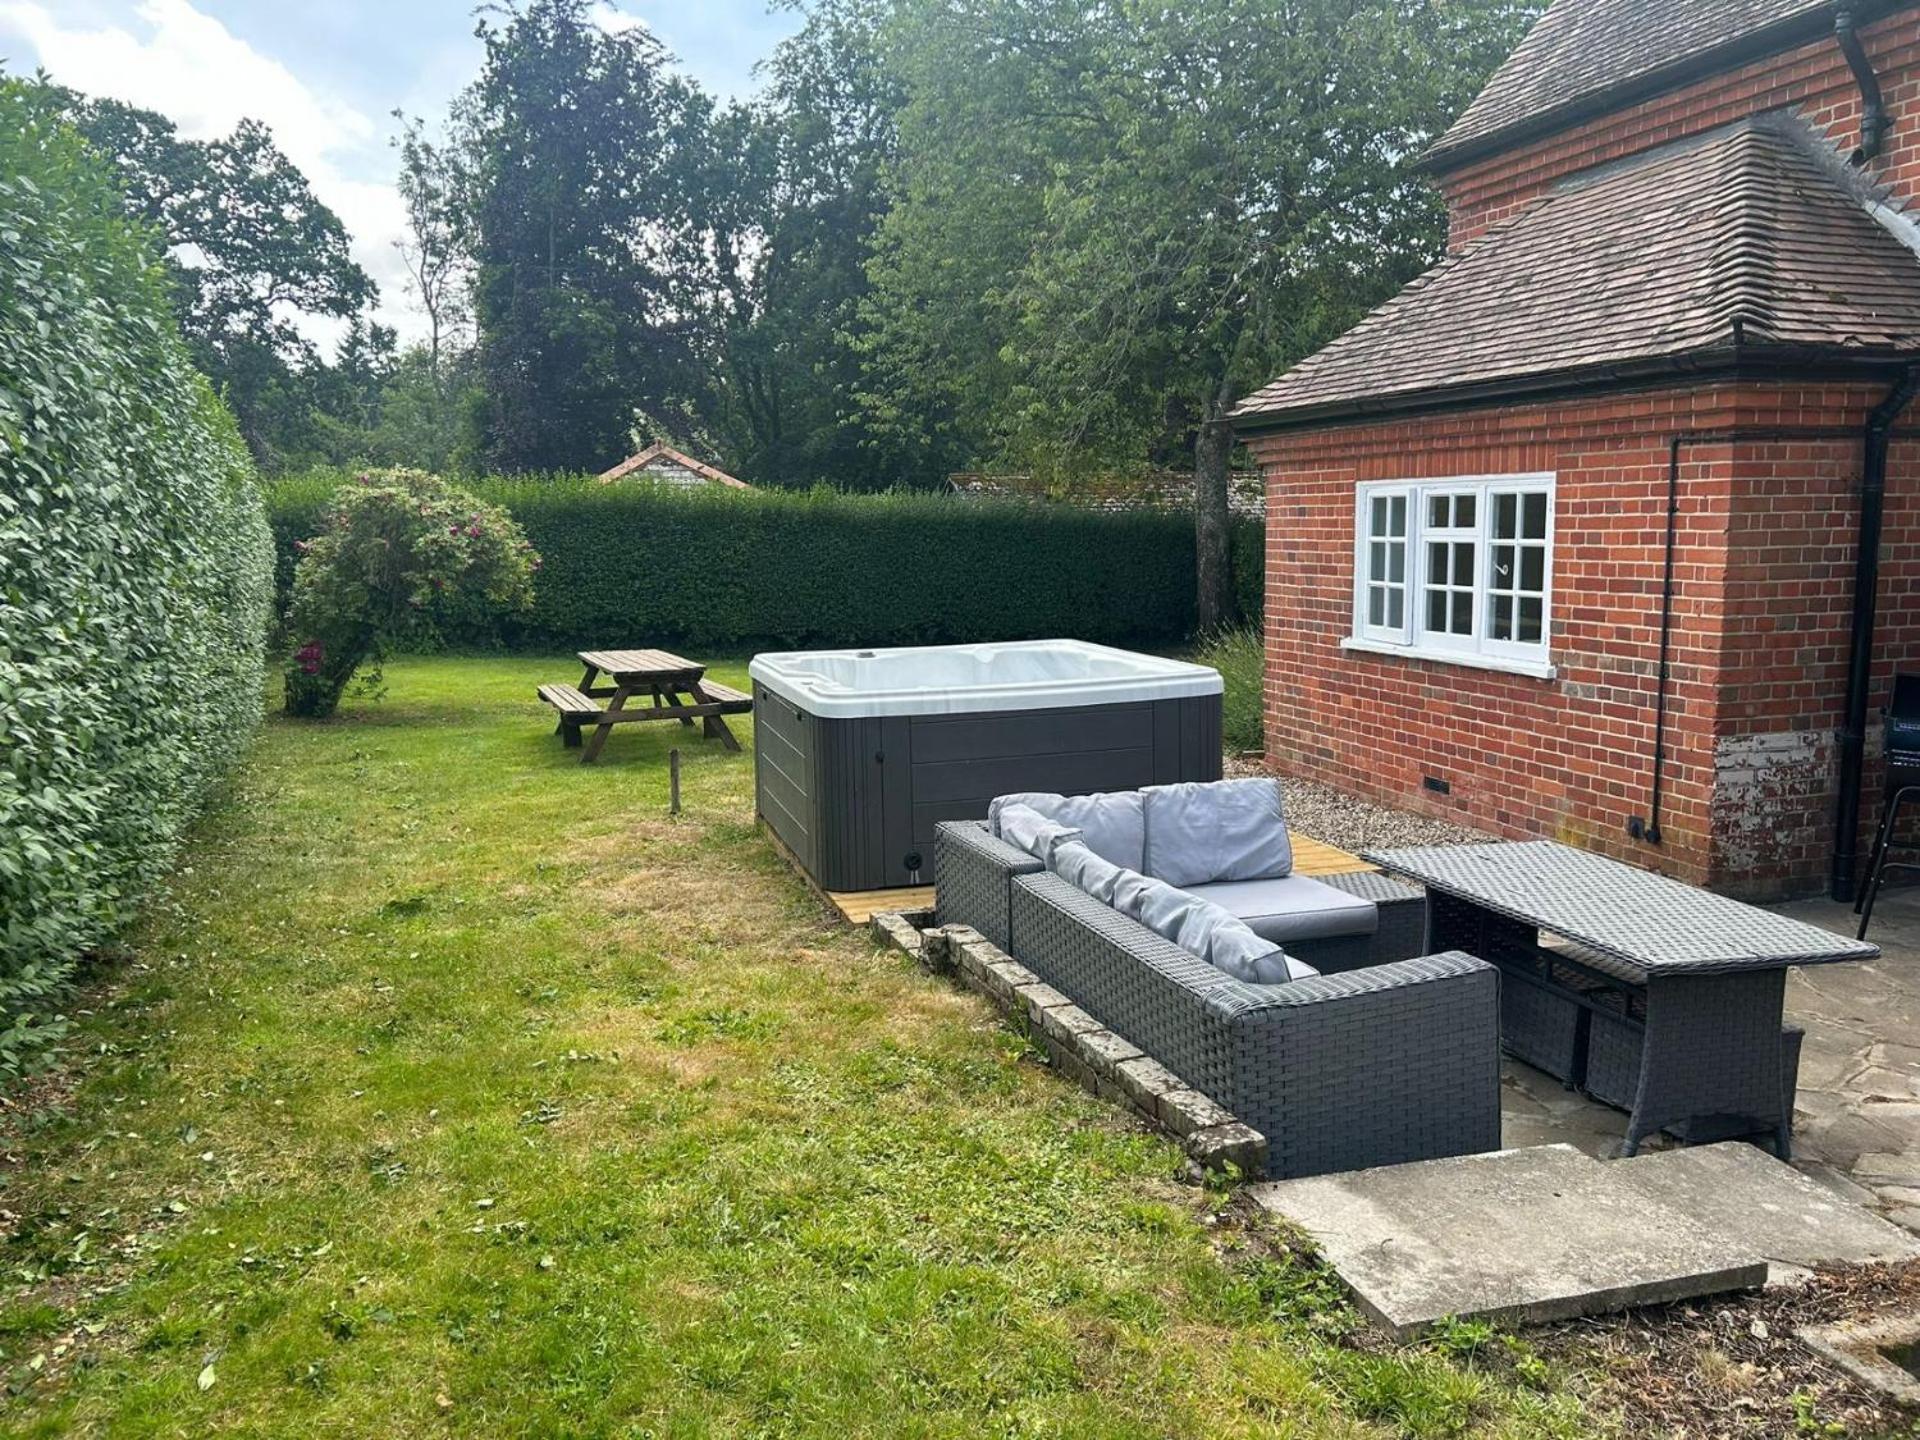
[(612, 20), (192, 69)]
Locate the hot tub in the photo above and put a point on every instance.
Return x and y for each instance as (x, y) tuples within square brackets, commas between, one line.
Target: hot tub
[(859, 753)]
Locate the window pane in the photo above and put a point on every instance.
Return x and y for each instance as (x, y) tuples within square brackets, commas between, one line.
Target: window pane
[(1379, 522), (1399, 516), (1536, 516), (1502, 577), (1437, 611), (1533, 569), (1377, 560), (1462, 612), (1500, 627), (1529, 621), (1437, 511), (1463, 562), (1437, 564), (1376, 605), (1396, 609), (1397, 563), (1506, 511), (1463, 508)]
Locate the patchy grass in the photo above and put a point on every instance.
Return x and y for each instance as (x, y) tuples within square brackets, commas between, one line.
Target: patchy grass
[(457, 1090)]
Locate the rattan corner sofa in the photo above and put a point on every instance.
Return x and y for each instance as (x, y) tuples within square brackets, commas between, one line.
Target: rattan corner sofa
[(1382, 1057)]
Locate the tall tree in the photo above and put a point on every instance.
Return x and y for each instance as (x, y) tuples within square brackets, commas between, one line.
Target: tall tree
[(572, 147), (788, 371), (1111, 220), (250, 250)]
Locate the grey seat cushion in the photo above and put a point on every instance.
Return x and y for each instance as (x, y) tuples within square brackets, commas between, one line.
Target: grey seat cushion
[(1074, 862), (1206, 930), (1115, 824), (1199, 832), (1293, 907), (1027, 829)]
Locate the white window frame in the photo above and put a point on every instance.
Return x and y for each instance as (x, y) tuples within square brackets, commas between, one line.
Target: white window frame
[(1476, 650)]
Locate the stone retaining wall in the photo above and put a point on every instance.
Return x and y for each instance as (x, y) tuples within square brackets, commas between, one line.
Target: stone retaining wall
[(1079, 1046)]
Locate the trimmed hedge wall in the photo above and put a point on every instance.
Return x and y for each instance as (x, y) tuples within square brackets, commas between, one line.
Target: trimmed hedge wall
[(728, 570), (135, 572)]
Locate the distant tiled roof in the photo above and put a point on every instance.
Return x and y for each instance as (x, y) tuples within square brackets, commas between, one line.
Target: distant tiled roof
[(1158, 490), (660, 461), (1583, 49), (1751, 238)]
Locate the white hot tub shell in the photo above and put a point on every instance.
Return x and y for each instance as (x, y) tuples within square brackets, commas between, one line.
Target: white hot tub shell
[(858, 754)]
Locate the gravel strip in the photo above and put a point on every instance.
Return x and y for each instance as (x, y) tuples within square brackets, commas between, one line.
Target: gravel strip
[(1354, 824)]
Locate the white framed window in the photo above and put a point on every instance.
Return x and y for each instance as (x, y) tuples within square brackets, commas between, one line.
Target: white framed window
[(1457, 569)]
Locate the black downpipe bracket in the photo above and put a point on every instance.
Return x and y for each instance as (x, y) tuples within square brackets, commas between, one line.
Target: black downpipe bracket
[(1874, 120), (1866, 588)]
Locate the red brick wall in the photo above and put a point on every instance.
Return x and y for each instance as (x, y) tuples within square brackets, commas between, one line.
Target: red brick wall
[(1763, 594), (1814, 78)]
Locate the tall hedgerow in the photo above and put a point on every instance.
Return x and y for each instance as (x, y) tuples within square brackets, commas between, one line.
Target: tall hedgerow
[(135, 571)]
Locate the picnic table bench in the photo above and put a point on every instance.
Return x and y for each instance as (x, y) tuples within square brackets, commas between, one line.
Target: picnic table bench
[(662, 677)]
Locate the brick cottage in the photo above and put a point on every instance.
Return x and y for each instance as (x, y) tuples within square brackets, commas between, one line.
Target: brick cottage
[(1566, 539)]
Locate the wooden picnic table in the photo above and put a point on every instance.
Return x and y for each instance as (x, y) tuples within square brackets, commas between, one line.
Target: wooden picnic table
[(618, 676)]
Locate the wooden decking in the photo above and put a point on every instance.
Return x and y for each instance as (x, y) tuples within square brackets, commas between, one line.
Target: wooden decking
[(1310, 857)]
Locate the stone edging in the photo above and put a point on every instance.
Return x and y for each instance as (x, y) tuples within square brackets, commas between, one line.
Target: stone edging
[(1079, 1046)]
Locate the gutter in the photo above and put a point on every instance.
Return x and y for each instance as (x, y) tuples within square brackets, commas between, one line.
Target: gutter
[(1866, 587), (1746, 361)]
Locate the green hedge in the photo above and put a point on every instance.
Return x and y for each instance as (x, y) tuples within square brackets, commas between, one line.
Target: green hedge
[(1247, 552), (135, 571), (727, 570)]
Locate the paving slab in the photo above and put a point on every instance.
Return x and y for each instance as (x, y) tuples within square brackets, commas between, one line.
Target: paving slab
[(1753, 1199), (1516, 1236)]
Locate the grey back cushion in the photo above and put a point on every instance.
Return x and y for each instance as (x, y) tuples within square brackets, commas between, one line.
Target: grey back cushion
[(1205, 930), (1199, 832), (1076, 864), (1115, 825), (1027, 829)]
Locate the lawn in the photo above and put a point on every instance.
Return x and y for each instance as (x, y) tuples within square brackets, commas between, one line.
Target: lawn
[(458, 1090)]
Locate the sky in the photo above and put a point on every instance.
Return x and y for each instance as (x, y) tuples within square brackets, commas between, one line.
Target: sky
[(326, 76)]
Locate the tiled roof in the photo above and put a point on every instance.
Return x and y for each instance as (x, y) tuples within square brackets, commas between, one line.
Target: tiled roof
[(1753, 237), (1581, 49), (1158, 490)]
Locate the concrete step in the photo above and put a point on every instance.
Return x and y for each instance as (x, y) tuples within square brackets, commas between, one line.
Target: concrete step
[(1548, 1233)]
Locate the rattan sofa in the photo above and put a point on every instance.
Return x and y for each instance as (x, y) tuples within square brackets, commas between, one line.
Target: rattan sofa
[(1381, 1058)]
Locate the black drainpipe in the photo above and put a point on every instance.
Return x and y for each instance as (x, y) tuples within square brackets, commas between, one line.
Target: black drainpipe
[(1866, 587), (1647, 827), (1874, 120)]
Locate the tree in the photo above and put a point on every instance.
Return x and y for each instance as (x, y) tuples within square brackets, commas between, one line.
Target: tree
[(787, 370), (249, 248), (1110, 221), (573, 148), (436, 262)]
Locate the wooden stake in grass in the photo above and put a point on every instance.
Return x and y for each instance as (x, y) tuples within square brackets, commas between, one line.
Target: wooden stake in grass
[(673, 782)]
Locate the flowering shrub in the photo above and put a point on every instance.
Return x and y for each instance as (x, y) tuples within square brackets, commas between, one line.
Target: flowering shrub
[(402, 552)]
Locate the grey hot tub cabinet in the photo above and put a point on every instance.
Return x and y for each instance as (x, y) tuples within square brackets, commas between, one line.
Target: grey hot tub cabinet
[(856, 800)]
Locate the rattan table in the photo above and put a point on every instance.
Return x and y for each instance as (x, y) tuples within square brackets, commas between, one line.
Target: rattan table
[(1661, 999)]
